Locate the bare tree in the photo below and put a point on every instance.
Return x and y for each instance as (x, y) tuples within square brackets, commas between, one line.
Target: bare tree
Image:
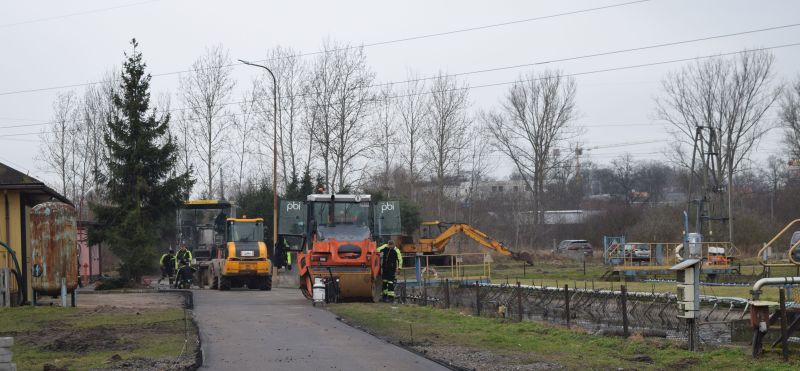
[(624, 168), (730, 95), (58, 148), (290, 72), (790, 118), (205, 91), (478, 162), (243, 132), (412, 108), (339, 100), (385, 135), (182, 132), (535, 118), (446, 129), (775, 174), (98, 110)]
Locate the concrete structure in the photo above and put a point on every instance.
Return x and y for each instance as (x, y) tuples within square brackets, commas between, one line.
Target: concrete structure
[(18, 194), (5, 354)]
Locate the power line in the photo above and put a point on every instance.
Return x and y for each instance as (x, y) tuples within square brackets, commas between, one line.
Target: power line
[(394, 41), (495, 69), (496, 84), (518, 66), (74, 14)]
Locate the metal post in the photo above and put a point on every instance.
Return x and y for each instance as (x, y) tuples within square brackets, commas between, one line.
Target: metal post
[(274, 156), (784, 334), (418, 266), (566, 303), (63, 292), (624, 291), (478, 298), (6, 286), (424, 291), (446, 293), (519, 301)]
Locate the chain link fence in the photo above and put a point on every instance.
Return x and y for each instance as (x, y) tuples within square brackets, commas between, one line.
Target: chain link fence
[(598, 311)]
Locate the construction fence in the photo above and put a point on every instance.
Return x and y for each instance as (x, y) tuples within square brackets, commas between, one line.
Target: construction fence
[(598, 311)]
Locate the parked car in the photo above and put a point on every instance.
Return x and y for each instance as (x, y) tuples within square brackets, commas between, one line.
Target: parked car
[(576, 246), (637, 251)]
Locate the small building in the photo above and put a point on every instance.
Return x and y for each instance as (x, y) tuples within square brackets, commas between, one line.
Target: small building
[(18, 194)]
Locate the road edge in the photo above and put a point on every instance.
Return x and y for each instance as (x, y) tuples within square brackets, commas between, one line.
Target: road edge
[(188, 304)]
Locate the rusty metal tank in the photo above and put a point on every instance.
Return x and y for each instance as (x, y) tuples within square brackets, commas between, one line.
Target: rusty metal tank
[(54, 250)]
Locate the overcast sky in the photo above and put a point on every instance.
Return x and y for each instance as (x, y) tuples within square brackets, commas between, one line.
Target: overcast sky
[(47, 44)]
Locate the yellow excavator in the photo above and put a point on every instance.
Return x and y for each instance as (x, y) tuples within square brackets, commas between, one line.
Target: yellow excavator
[(435, 235)]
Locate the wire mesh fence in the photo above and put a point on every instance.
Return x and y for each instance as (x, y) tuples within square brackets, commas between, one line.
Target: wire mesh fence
[(599, 311)]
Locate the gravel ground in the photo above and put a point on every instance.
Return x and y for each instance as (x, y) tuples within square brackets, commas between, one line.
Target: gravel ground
[(476, 359)]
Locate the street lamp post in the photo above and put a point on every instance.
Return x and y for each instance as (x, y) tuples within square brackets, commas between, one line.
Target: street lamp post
[(274, 150)]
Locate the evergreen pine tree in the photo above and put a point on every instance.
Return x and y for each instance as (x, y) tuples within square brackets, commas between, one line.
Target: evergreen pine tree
[(320, 184), (293, 189), (142, 188), (306, 185)]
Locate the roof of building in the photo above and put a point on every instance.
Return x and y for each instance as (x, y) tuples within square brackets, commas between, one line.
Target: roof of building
[(13, 179)]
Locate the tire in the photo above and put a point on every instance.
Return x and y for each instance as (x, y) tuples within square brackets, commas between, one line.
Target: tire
[(224, 283), (201, 277), (306, 286), (266, 283), (212, 281)]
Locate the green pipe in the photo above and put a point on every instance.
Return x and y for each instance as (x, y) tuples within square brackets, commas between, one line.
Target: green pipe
[(17, 273)]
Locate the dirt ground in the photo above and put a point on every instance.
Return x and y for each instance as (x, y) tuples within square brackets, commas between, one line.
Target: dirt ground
[(477, 359), (109, 331), (93, 299)]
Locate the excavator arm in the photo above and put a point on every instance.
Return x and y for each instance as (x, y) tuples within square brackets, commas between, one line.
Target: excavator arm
[(440, 242)]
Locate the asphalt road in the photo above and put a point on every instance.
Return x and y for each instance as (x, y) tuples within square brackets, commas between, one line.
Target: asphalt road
[(280, 330)]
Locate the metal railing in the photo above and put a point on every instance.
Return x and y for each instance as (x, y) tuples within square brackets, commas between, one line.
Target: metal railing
[(454, 267), (767, 258), (666, 254)]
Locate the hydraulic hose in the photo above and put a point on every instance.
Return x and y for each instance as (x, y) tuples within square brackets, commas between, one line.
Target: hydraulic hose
[(17, 273)]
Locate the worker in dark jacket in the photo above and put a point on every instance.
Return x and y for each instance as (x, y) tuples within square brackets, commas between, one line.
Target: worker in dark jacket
[(184, 274), (167, 263), (391, 262)]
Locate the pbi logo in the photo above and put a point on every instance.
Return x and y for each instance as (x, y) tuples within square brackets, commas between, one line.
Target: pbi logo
[(293, 206), (387, 207)]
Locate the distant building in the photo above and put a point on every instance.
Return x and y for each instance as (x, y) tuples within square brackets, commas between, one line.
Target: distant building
[(490, 188), (560, 217)]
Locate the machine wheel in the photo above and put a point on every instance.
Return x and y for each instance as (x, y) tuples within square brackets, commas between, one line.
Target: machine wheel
[(306, 286), (212, 281), (224, 283), (202, 273), (266, 283)]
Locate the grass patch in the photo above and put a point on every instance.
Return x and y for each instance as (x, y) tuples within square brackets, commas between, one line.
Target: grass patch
[(573, 349), (85, 338)]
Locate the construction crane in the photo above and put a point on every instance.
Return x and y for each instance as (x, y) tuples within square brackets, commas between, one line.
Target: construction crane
[(436, 235)]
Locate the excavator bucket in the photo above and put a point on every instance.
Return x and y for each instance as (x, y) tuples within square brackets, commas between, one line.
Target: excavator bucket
[(523, 256)]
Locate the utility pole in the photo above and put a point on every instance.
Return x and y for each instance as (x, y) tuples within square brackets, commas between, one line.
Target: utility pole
[(578, 154), (274, 151)]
